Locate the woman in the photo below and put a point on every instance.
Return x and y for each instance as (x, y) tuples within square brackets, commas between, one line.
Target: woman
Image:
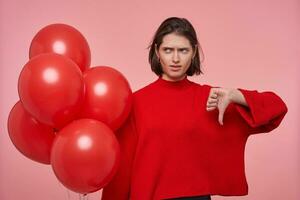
[(177, 142)]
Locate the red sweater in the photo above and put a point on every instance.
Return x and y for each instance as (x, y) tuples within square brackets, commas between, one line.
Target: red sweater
[(172, 147)]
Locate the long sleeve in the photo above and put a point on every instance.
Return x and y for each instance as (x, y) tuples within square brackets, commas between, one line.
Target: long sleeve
[(119, 187), (265, 110)]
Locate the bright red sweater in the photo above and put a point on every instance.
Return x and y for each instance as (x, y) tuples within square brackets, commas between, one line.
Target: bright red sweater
[(172, 147)]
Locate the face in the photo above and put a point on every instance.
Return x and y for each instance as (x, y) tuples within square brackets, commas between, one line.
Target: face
[(175, 54)]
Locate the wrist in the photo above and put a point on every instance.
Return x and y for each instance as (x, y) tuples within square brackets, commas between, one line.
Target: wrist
[(233, 96), (236, 96)]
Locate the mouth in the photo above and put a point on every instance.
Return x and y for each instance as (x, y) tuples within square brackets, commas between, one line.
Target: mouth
[(175, 68)]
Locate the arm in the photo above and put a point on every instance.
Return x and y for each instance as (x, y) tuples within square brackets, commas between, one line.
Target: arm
[(263, 111), (236, 96), (119, 187)]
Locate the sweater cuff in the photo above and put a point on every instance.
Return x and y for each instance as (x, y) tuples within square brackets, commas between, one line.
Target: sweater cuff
[(257, 113)]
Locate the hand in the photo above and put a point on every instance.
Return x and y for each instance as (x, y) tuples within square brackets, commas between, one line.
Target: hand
[(219, 98)]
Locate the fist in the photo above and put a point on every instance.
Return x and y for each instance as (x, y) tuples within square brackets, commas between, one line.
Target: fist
[(219, 98)]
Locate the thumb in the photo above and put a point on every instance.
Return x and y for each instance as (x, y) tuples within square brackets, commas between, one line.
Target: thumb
[(221, 114)]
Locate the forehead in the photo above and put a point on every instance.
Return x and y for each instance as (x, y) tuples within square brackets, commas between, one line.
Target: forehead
[(175, 40)]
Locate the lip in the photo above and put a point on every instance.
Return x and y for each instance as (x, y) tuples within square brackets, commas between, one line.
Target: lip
[(175, 66)]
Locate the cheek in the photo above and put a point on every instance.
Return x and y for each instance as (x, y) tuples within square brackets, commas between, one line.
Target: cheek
[(164, 59), (188, 61)]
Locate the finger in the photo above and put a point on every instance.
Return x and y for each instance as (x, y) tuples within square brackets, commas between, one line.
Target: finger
[(210, 108), (221, 115), (212, 101), (212, 105), (214, 95)]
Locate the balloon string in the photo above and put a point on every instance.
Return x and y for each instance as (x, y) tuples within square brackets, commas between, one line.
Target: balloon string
[(83, 197), (68, 193)]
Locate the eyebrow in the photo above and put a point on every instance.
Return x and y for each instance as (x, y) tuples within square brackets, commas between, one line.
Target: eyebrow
[(183, 48)]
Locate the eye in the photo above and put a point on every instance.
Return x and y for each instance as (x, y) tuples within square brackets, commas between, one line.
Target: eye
[(184, 50), (167, 50)]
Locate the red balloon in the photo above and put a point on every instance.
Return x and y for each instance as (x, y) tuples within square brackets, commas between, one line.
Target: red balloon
[(31, 138), (108, 97), (85, 155), (62, 39), (51, 89)]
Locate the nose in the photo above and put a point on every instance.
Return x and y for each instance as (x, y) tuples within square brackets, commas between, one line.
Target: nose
[(175, 57)]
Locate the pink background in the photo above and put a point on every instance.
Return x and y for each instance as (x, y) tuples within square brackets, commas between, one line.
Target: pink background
[(248, 44)]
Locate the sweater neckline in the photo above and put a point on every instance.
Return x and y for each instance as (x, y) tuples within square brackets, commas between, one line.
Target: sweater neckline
[(173, 84)]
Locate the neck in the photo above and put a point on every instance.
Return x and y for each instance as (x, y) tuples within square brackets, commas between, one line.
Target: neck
[(179, 84), (164, 77)]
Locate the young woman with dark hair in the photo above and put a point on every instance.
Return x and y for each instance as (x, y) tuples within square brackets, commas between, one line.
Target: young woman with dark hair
[(176, 143)]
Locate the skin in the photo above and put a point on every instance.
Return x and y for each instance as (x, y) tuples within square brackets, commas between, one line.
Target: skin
[(175, 50), (220, 98), (175, 55)]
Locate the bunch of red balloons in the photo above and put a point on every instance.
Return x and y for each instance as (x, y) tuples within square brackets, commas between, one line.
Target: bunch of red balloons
[(68, 111)]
